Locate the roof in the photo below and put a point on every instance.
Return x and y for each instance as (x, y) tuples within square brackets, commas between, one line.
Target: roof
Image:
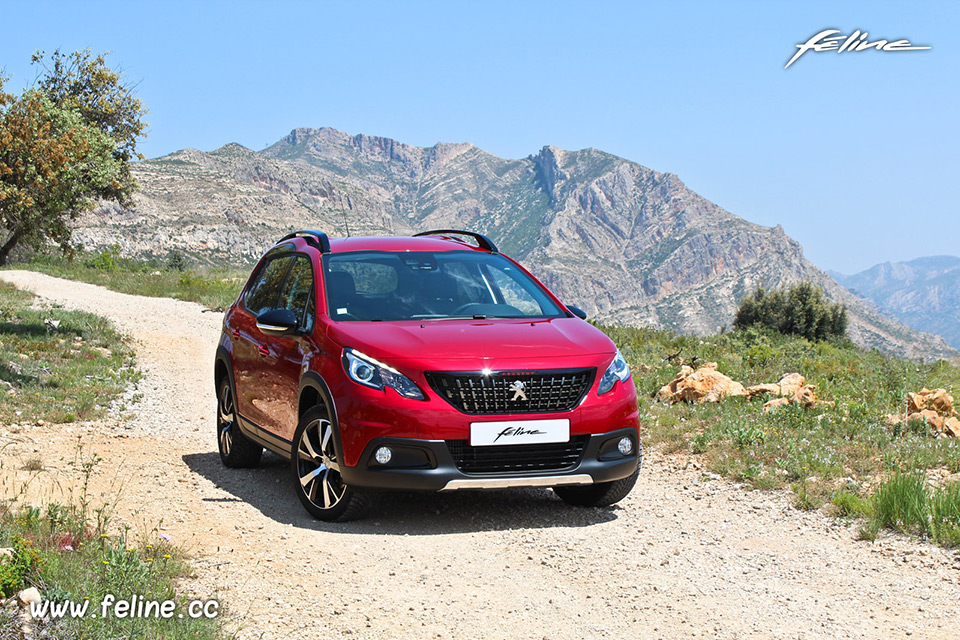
[(399, 243)]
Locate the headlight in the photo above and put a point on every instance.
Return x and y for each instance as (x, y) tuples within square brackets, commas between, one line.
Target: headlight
[(618, 370), (364, 370)]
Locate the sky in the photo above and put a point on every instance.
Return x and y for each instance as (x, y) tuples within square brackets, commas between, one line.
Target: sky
[(856, 155)]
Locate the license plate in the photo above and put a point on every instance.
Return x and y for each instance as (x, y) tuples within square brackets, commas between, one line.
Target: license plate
[(488, 434)]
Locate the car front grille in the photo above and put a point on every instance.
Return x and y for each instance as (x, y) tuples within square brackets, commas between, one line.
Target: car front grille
[(558, 456), (508, 392)]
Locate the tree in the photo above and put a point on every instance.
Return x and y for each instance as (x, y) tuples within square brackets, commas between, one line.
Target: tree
[(65, 145), (802, 310)]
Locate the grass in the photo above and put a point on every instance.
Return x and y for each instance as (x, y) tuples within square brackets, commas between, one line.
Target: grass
[(68, 553), (907, 503), (56, 365), (213, 288), (848, 451)]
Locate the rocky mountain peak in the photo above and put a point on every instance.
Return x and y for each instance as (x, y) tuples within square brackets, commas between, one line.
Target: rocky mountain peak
[(548, 170), (923, 293), (629, 244), (233, 148)]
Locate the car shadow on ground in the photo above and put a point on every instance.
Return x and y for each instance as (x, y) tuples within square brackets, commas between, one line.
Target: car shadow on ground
[(268, 489)]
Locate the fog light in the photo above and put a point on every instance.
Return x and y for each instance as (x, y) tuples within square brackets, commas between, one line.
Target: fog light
[(383, 455), (625, 446)]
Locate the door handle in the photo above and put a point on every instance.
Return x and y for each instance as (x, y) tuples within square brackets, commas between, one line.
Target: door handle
[(236, 333), (263, 350)]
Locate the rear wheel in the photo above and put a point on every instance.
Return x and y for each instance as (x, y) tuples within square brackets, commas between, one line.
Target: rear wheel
[(236, 450), (316, 472)]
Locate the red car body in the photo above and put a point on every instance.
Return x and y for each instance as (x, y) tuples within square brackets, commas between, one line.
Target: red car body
[(276, 379)]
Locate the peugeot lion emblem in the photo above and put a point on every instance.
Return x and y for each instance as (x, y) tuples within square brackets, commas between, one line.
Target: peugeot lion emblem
[(518, 393)]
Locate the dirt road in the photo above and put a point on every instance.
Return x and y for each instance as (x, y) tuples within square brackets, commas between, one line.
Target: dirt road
[(683, 556)]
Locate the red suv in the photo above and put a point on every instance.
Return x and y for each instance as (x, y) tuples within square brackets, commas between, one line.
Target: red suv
[(423, 363)]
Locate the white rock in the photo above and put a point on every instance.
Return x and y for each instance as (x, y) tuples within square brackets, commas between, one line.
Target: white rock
[(29, 596), (6, 552)]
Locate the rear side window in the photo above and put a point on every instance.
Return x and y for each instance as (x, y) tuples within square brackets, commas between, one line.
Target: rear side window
[(265, 285), (297, 292)]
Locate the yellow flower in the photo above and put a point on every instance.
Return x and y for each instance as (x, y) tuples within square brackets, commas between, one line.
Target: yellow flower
[(149, 559), (104, 562), (167, 556)]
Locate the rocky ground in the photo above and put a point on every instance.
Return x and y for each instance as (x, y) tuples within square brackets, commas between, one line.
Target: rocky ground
[(684, 555)]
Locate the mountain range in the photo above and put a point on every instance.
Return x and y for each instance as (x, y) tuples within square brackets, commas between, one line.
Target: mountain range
[(629, 244), (923, 293)]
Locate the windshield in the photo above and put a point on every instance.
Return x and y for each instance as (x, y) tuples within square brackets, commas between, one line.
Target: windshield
[(420, 285)]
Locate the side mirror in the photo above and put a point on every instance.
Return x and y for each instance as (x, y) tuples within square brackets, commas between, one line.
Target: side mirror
[(577, 311), (278, 322)]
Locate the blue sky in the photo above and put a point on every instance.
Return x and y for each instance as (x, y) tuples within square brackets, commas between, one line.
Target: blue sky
[(857, 155)]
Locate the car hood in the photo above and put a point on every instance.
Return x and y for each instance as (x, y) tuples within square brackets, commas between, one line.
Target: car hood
[(485, 342)]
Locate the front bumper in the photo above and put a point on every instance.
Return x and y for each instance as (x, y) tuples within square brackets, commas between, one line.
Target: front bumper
[(428, 465)]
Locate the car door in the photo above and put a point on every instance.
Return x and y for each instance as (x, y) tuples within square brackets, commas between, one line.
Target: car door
[(251, 354), (283, 365)]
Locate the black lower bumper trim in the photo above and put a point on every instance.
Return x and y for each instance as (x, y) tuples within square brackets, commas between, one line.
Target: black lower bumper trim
[(441, 472)]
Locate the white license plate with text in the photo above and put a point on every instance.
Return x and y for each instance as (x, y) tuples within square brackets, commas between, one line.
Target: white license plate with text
[(488, 434)]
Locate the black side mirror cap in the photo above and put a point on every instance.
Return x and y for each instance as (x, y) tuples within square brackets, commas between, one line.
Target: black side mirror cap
[(577, 311), (278, 322)]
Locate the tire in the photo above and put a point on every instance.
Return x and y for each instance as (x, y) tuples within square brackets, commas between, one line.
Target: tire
[(236, 450), (602, 494), (314, 467)]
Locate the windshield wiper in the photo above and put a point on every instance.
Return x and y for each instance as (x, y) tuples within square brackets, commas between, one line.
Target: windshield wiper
[(474, 317)]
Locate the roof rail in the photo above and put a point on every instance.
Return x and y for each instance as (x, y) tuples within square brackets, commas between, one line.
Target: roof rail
[(317, 239), (482, 240)]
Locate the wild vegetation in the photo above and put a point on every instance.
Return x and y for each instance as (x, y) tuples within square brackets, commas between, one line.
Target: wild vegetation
[(801, 310), (65, 146), (56, 365), (849, 449), (173, 277), (63, 366), (71, 554)]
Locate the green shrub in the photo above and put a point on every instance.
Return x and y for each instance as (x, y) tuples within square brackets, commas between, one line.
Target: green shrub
[(176, 261), (14, 571), (107, 260), (801, 311)]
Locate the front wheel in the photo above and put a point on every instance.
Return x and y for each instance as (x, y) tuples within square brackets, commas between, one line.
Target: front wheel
[(315, 466), (602, 494)]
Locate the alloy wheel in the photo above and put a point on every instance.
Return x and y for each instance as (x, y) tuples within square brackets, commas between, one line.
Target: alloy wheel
[(225, 420), (317, 466)]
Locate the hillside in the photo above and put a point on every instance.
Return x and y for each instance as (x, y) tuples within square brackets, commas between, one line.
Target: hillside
[(923, 293), (629, 244)]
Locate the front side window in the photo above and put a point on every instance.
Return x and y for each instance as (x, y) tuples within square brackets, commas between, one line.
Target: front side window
[(297, 292), (265, 285), (420, 285)]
